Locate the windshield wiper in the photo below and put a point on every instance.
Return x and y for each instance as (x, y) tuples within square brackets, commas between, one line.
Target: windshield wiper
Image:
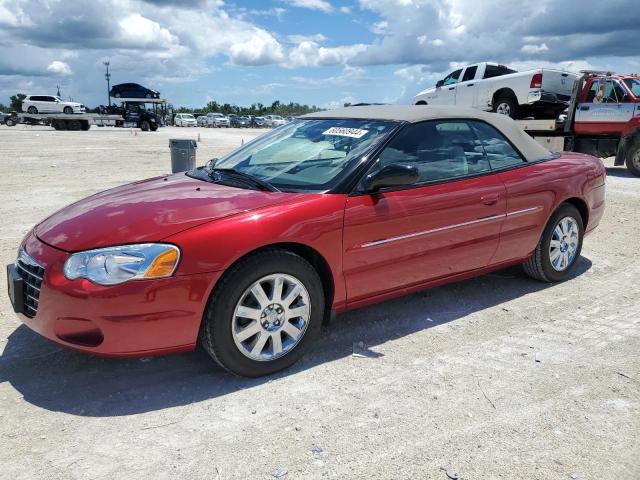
[(262, 184)]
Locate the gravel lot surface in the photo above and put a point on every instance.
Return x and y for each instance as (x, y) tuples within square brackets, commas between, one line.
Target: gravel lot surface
[(499, 377)]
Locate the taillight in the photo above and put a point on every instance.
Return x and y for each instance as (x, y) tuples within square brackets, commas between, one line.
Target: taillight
[(536, 81)]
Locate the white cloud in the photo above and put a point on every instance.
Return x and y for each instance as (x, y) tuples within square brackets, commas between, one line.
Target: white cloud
[(321, 5), (530, 48), (141, 32), (260, 49), (310, 54), (318, 38), (59, 68)]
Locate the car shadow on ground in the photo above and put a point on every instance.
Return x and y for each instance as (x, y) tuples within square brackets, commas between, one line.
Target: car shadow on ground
[(619, 172), (58, 379)]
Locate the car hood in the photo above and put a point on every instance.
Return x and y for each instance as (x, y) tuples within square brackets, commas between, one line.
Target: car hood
[(148, 211)]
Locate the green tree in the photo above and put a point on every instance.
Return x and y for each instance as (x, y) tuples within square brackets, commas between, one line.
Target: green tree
[(16, 101)]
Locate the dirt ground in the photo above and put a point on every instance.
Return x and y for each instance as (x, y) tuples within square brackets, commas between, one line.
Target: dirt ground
[(499, 377)]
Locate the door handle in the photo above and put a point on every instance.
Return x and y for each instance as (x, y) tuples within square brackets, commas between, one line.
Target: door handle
[(451, 88), (584, 107), (469, 84), (491, 199)]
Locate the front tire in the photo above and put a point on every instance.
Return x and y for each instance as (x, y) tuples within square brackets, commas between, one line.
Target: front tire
[(264, 314), (556, 256), (632, 159), (67, 111)]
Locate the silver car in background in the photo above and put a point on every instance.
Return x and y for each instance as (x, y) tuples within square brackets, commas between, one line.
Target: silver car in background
[(274, 120), (218, 120)]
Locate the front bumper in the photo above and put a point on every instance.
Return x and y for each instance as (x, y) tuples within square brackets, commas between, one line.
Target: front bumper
[(137, 318)]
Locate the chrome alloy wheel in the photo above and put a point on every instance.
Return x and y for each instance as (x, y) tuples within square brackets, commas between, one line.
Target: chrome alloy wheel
[(564, 244), (271, 317), (503, 108)]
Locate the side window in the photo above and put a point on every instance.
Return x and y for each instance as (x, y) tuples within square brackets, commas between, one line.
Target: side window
[(440, 150), (593, 90), (49, 99), (499, 151), (452, 78), (470, 73), (36, 98)]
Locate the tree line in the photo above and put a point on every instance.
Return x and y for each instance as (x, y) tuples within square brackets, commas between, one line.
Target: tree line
[(290, 109)]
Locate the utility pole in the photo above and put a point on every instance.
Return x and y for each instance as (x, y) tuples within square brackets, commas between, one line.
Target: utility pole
[(107, 76), (58, 87)]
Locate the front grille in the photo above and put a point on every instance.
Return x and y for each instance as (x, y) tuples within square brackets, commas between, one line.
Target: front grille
[(32, 274)]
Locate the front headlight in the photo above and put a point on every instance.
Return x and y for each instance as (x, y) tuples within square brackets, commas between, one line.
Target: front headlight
[(113, 265)]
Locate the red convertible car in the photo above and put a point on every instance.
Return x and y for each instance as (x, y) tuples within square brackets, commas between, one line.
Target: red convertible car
[(335, 210)]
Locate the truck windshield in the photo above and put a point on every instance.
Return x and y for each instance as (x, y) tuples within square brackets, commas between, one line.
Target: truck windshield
[(634, 86), (307, 155)]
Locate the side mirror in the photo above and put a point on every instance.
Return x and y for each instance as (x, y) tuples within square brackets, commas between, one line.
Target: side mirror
[(439, 83), (393, 175)]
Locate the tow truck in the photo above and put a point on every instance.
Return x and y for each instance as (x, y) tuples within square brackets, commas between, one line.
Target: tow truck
[(603, 119), (131, 114)]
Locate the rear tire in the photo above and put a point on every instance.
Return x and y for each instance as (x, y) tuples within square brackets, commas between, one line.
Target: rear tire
[(222, 327), (32, 110), (632, 159), (506, 104), (546, 262)]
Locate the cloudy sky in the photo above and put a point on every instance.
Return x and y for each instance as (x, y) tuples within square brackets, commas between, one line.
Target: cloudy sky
[(323, 52)]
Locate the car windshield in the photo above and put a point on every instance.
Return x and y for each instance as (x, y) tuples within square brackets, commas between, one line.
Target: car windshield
[(307, 155), (188, 117), (634, 85)]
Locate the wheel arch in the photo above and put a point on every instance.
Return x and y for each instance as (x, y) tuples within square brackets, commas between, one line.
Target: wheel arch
[(421, 102), (500, 92), (311, 255), (582, 207)]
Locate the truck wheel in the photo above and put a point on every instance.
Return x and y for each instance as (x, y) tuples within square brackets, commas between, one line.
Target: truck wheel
[(85, 126), (559, 248), (59, 124), (633, 158), (264, 313), (32, 110), (145, 126), (506, 105), (154, 128)]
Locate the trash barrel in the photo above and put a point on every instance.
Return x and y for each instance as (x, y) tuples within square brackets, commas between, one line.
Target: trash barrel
[(183, 154)]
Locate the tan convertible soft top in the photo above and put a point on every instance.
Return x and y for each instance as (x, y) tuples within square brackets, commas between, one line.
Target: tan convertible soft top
[(531, 150)]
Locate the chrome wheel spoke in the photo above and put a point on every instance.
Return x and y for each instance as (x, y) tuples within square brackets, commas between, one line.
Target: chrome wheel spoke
[(555, 244), (259, 344), (276, 341), (296, 312), (247, 312), (278, 283), (291, 296), (291, 330), (259, 295), (248, 332)]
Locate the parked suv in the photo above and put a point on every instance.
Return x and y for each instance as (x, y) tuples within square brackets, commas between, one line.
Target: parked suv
[(218, 120), (34, 104), (185, 120), (274, 120), (132, 90)]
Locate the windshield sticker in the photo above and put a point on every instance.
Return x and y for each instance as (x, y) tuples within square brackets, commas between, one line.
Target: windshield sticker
[(346, 132)]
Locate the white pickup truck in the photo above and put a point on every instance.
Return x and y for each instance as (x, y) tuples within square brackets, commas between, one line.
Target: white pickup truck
[(541, 93)]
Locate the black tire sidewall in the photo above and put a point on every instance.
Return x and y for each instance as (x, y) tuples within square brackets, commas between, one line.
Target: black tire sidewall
[(631, 151), (145, 126), (219, 313), (551, 273), (32, 110), (67, 110)]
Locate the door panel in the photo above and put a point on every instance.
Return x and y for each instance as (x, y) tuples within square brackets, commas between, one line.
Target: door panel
[(402, 238), (530, 197), (603, 118)]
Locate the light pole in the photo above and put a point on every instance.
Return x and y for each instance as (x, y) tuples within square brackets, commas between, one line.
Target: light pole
[(107, 76)]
